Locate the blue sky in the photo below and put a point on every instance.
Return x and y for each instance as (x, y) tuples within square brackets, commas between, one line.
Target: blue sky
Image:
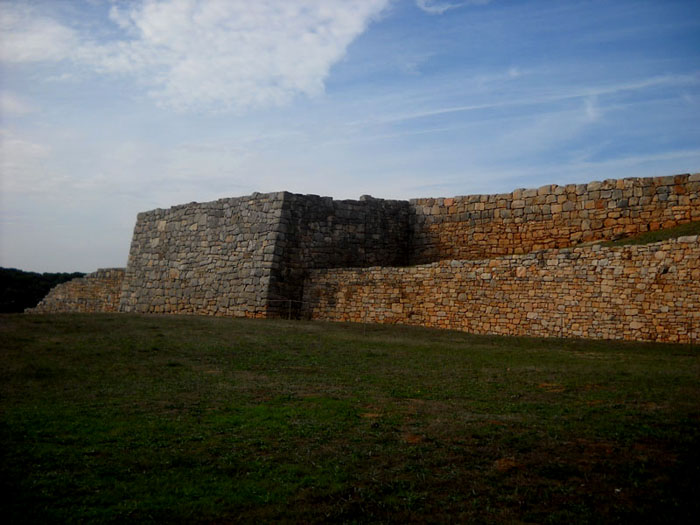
[(108, 108)]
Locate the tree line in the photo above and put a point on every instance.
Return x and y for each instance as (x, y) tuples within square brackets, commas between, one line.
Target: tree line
[(20, 289)]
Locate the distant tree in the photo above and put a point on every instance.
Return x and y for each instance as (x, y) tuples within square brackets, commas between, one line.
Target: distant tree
[(20, 289)]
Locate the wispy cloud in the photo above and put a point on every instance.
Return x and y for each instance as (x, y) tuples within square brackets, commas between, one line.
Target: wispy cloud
[(204, 55), (12, 104), (423, 97), (437, 7), (616, 165), (592, 110), (561, 93), (28, 36), (22, 164)]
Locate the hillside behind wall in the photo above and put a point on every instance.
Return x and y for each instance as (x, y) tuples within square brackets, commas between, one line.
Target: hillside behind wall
[(484, 226), (646, 293), (97, 292)]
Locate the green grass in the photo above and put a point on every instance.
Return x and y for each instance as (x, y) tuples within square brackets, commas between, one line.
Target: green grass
[(119, 418), (689, 228)]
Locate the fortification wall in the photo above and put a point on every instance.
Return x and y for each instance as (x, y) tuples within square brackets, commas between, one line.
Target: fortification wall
[(319, 232), (211, 258), (648, 293), (484, 226), (260, 255), (96, 292), (248, 256)]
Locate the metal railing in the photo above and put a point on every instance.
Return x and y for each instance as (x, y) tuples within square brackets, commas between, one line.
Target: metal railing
[(288, 302)]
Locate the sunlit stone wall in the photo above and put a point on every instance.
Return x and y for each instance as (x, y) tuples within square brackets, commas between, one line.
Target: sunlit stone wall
[(248, 256), (212, 258), (484, 226), (515, 263), (647, 293)]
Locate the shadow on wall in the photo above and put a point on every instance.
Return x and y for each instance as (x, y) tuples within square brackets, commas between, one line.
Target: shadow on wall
[(262, 256)]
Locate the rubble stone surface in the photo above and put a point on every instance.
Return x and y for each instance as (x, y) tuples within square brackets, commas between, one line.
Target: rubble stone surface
[(647, 293), (99, 291), (527, 262)]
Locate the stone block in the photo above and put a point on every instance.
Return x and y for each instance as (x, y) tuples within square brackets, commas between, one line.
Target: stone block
[(267, 236)]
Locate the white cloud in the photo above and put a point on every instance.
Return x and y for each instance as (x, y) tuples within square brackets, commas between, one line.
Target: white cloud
[(592, 109), (11, 104), (22, 164), (436, 7), (28, 36), (218, 54)]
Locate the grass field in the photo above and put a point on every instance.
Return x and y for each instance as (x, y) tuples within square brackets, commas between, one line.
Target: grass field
[(119, 418), (688, 228)]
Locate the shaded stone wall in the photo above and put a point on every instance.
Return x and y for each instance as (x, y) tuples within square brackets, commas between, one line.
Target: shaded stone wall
[(212, 258), (484, 226), (248, 256), (647, 293), (319, 232), (99, 291), (261, 255)]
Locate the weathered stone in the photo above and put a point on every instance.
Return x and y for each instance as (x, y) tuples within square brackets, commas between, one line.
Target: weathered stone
[(282, 231), (249, 256), (99, 291), (585, 284)]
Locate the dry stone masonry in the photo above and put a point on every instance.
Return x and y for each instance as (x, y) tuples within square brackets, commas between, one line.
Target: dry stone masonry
[(521, 263), (483, 226), (319, 232), (649, 292), (99, 291), (214, 258), (248, 256)]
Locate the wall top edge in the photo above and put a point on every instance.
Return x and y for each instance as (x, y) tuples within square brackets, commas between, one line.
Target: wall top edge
[(622, 183), (271, 197), (364, 199), (106, 270), (551, 253)]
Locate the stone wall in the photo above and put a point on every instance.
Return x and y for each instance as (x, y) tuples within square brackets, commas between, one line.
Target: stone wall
[(248, 256), (495, 265), (97, 292), (484, 226), (319, 232), (211, 258), (648, 293)]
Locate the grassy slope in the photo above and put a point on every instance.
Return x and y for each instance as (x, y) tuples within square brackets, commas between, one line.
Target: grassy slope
[(183, 419), (689, 228)]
